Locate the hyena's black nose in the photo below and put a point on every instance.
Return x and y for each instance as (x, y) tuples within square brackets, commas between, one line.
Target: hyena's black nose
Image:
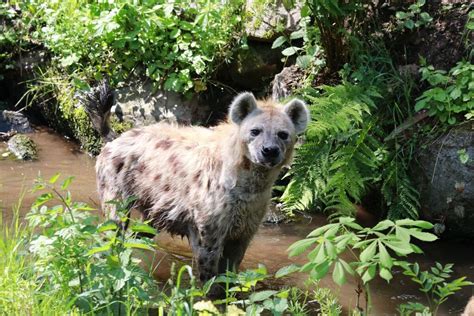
[(270, 151)]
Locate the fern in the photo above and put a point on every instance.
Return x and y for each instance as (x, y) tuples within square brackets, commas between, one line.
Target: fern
[(338, 158), (343, 155)]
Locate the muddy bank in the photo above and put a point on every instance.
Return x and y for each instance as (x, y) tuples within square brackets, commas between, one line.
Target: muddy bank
[(57, 154)]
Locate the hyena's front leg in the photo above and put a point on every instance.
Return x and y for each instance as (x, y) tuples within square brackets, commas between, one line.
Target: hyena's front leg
[(233, 253), (207, 249)]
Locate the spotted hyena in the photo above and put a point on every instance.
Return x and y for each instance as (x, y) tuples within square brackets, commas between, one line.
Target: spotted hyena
[(210, 185)]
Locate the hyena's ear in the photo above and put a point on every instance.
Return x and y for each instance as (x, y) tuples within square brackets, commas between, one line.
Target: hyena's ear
[(298, 113), (242, 106)]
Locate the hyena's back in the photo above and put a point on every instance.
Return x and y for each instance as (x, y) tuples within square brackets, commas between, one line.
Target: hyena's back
[(170, 170)]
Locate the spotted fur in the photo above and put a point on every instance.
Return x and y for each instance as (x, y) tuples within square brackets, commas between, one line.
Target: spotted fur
[(210, 185)]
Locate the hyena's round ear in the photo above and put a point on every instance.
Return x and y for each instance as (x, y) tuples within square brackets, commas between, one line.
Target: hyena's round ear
[(242, 106), (298, 113)]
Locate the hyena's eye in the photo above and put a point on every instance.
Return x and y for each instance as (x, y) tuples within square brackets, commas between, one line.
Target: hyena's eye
[(255, 132), (283, 135)]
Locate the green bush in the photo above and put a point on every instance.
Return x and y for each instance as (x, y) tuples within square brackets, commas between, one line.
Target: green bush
[(176, 44), (451, 95)]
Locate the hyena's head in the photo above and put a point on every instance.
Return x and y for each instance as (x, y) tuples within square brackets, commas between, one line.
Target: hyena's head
[(268, 131)]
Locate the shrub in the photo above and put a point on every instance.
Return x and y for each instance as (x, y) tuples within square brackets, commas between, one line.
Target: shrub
[(175, 44)]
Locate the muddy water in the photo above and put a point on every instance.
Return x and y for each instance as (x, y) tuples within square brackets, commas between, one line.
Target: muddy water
[(56, 154)]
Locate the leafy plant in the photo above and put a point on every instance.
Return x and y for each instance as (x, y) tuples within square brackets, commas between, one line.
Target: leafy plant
[(451, 94), (95, 270), (414, 17), (309, 56), (434, 284), (376, 250), (335, 170), (176, 45)]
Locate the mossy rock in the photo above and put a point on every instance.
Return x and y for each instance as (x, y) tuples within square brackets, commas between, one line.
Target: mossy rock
[(23, 147)]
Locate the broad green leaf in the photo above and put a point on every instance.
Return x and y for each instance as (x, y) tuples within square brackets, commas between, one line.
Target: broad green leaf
[(290, 51), (369, 274), (67, 182), (107, 226), (143, 228), (338, 274), (320, 270), (385, 274), (409, 24), (99, 249), (423, 236), (403, 234), (399, 247), (278, 42), (300, 246), (385, 258), (297, 34), (320, 230), (292, 268), (54, 178), (261, 296), (383, 225), (347, 267), (303, 61), (368, 252), (138, 245)]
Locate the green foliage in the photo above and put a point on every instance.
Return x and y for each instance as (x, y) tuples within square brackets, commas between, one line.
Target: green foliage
[(413, 17), (339, 156), (66, 261), (175, 44), (331, 240), (309, 56), (451, 94), (96, 270), (378, 250), (12, 33), (434, 284)]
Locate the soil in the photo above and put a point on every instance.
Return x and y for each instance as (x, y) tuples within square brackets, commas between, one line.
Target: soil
[(442, 43)]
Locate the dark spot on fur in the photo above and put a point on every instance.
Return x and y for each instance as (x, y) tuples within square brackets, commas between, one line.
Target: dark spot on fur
[(197, 176), (166, 188), (157, 177), (225, 205), (164, 144), (209, 249), (183, 174), (186, 189), (118, 164), (246, 164), (208, 184), (141, 167)]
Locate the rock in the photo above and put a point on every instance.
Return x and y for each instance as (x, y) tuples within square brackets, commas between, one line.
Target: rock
[(268, 20), (446, 184), (23, 147), (14, 121), (286, 82), (252, 69), (139, 104), (274, 214)]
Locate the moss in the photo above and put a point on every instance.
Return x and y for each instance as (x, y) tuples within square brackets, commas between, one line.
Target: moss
[(23, 147), (66, 115), (120, 126)]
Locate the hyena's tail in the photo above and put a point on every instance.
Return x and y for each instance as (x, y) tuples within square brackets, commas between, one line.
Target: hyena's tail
[(98, 103)]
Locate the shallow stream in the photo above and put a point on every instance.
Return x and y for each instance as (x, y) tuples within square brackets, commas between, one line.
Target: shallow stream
[(57, 154)]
